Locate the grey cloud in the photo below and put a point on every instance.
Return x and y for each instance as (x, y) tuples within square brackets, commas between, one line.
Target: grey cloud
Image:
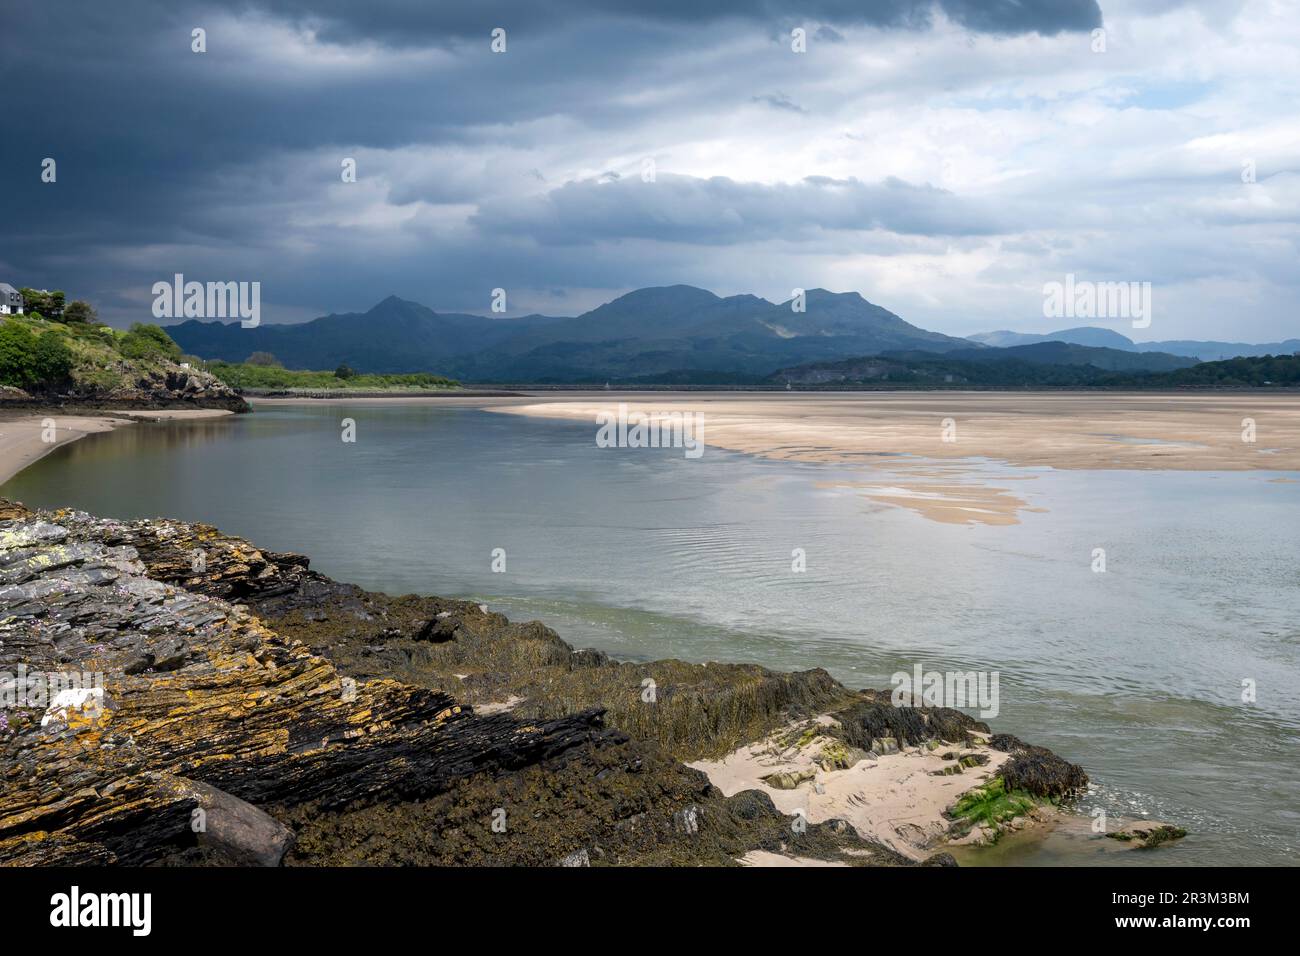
[(721, 211)]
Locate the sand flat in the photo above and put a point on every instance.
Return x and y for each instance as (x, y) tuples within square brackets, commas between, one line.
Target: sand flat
[(1067, 430)]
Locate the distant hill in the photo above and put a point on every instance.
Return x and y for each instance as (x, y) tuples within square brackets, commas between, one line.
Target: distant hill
[(658, 332), (1206, 351), (1044, 363), (1085, 335), (1214, 351), (394, 336)]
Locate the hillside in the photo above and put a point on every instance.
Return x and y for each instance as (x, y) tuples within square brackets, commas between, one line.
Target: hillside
[(1064, 353), (44, 362), (646, 333), (1205, 351)]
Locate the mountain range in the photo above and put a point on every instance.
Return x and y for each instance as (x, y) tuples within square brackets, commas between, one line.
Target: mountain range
[(1209, 351), (668, 334), (644, 335)]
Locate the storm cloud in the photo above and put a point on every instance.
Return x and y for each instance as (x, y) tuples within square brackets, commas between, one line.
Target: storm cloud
[(945, 159)]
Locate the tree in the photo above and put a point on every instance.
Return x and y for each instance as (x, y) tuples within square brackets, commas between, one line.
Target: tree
[(80, 311), (48, 304), (343, 372), (263, 359)]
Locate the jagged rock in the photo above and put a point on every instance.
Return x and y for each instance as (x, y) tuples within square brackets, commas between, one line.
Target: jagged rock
[(577, 858)]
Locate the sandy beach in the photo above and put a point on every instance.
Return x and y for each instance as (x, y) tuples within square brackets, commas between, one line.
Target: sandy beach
[(897, 798), (27, 438)]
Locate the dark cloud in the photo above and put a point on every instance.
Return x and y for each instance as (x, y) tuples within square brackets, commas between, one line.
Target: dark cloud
[(406, 21)]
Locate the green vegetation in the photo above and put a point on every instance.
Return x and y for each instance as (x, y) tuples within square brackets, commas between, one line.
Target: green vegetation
[(46, 303), (248, 375), (31, 360), (148, 342), (992, 805), (41, 355), (80, 311)]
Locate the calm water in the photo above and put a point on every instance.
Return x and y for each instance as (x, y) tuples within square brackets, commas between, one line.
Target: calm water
[(1135, 673)]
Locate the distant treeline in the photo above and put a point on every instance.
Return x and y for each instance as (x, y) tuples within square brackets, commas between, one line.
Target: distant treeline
[(936, 371)]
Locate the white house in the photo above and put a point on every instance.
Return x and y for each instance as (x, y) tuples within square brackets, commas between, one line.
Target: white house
[(11, 300)]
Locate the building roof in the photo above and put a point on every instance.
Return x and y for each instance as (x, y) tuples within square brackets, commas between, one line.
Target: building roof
[(6, 287)]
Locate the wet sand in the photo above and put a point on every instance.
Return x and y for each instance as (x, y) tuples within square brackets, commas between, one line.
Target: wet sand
[(1071, 430)]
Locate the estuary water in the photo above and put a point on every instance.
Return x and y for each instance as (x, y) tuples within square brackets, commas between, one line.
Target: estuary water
[(1136, 672)]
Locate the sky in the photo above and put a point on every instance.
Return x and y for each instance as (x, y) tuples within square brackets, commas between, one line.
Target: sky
[(946, 159)]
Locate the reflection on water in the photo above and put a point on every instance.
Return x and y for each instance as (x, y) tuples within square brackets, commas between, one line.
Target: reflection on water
[(1136, 673)]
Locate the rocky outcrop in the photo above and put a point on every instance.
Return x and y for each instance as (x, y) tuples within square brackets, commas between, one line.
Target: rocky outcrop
[(171, 385), (157, 713), (130, 385)]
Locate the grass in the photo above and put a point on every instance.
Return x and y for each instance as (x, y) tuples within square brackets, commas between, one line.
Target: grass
[(240, 375)]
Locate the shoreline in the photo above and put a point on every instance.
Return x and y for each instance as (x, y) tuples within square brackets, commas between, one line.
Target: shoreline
[(901, 431), (22, 440)]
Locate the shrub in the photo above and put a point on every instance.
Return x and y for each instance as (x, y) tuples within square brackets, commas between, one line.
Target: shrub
[(263, 360), (343, 372), (51, 359), (30, 361), (147, 342), (17, 348)]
